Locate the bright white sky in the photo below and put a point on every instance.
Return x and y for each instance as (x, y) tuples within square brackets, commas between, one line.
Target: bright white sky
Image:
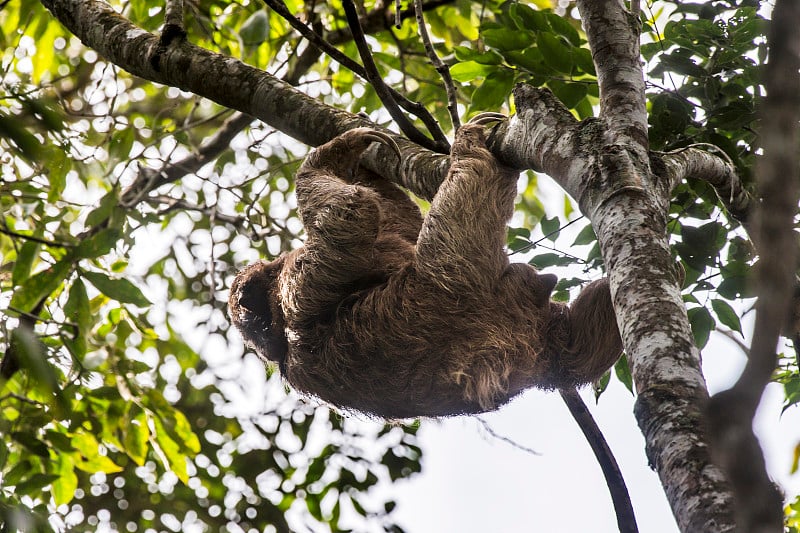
[(472, 482)]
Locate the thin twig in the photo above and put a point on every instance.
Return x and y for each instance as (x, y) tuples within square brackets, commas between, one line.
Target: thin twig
[(56, 244), (150, 179), (440, 66), (172, 204), (488, 428), (626, 520)]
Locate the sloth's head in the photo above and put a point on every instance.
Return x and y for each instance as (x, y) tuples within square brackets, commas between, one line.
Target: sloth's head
[(254, 308)]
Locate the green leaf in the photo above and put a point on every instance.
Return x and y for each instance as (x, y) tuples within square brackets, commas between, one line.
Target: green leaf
[(171, 453), (557, 54), (583, 60), (31, 355), (120, 290), (563, 27), (726, 314), (489, 57), (530, 59), (181, 432), (64, 487), (493, 92), (702, 324), (507, 39), (50, 116), (135, 434), (34, 484), (17, 473), (570, 94), (623, 372), (77, 308), (550, 259), (313, 504), (121, 143), (586, 236), (31, 443), (527, 18), (255, 30), (88, 458), (57, 167), (40, 286), (25, 257), (29, 146), (551, 227), (469, 70), (104, 210), (99, 244)]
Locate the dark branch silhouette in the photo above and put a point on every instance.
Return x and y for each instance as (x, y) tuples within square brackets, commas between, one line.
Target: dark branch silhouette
[(626, 520), (734, 445)]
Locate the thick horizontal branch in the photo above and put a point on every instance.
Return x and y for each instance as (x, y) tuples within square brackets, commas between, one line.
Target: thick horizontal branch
[(236, 85), (543, 135)]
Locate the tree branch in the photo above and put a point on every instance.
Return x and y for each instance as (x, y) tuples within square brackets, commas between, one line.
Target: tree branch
[(173, 21), (439, 65), (626, 520), (758, 502), (56, 244), (380, 19), (719, 172), (150, 179), (613, 34), (627, 205)]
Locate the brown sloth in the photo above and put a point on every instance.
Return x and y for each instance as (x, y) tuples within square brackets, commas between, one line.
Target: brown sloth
[(389, 314)]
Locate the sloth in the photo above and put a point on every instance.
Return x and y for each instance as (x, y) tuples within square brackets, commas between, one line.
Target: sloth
[(386, 313)]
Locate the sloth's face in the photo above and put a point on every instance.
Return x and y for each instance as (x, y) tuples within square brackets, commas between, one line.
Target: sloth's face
[(254, 309)]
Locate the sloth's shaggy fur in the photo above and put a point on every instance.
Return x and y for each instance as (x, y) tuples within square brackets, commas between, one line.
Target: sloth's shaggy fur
[(386, 313)]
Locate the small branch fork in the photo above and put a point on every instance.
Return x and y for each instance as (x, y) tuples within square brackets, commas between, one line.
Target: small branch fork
[(439, 143), (374, 77)]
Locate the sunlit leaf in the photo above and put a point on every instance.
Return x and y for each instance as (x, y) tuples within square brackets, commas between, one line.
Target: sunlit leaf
[(119, 289), (67, 481), (89, 458), (135, 434), (469, 70)]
